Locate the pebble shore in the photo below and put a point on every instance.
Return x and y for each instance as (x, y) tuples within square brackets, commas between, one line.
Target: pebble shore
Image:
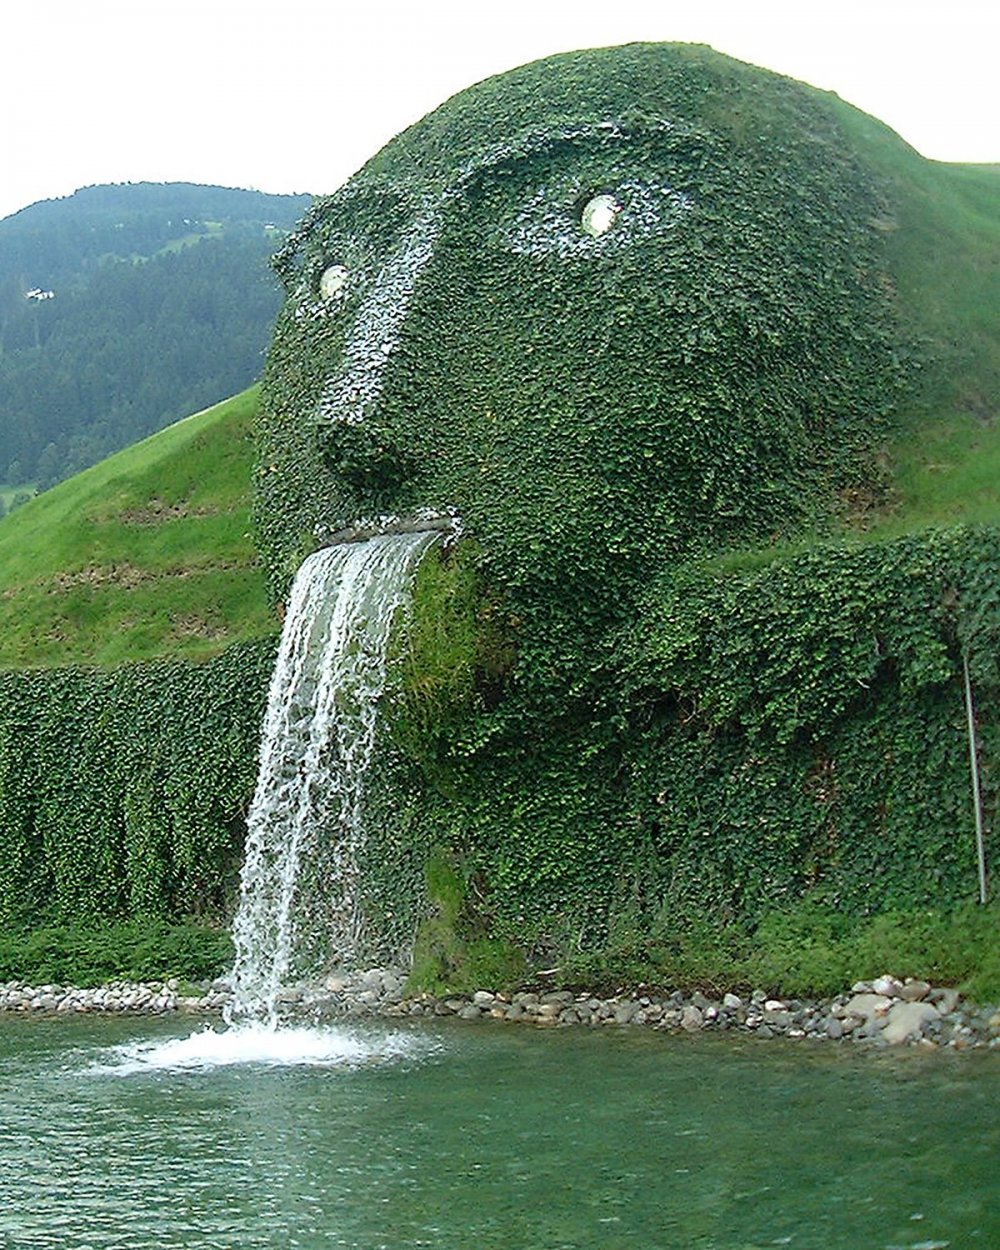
[(117, 997), (883, 1012)]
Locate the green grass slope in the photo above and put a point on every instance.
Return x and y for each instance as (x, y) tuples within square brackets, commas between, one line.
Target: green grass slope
[(942, 233), (146, 554)]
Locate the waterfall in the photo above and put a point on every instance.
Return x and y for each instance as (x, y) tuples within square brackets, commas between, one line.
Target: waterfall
[(298, 908)]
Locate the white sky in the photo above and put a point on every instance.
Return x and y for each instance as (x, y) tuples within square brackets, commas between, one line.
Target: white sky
[(294, 95)]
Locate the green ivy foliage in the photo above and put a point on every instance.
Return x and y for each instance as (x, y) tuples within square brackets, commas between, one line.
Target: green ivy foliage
[(124, 793), (449, 661), (142, 949), (756, 738), (784, 651)]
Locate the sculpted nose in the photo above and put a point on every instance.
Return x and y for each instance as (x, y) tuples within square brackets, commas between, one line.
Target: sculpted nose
[(349, 414), (352, 395)]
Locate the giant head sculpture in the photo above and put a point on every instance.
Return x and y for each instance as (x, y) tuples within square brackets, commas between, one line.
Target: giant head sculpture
[(610, 309)]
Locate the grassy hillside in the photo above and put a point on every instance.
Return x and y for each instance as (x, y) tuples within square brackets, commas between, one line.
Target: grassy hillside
[(146, 554), (942, 232)]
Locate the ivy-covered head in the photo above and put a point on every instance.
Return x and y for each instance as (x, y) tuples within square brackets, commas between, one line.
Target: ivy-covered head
[(610, 307)]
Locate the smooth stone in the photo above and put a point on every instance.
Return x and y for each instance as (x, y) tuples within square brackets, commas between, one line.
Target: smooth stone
[(887, 985), (732, 1002), (945, 1000), (624, 1012), (914, 991), (776, 1018), (869, 1007), (907, 1020), (691, 1018)]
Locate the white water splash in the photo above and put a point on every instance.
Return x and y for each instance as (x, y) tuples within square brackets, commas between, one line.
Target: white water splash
[(299, 900), (262, 1045)]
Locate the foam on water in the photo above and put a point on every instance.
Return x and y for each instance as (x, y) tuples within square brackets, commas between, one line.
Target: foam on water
[(262, 1045)]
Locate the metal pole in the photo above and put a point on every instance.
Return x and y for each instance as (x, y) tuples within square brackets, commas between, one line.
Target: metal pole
[(977, 798)]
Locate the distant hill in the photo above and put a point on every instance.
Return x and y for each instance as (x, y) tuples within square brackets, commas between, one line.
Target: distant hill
[(123, 308)]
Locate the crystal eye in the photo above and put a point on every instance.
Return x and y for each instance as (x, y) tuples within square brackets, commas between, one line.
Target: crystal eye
[(332, 280), (599, 215)]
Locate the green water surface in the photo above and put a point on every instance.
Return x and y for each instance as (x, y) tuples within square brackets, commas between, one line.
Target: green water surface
[(496, 1138)]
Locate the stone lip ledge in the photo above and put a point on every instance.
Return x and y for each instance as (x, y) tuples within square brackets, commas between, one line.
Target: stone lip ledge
[(426, 520), (880, 1013)]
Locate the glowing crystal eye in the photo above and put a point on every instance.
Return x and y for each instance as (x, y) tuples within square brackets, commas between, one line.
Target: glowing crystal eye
[(599, 215), (331, 281)]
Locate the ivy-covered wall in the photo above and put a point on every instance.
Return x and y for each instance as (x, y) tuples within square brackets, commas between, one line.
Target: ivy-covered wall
[(752, 739), (124, 793)]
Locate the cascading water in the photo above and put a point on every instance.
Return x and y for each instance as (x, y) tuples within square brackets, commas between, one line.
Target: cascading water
[(298, 906)]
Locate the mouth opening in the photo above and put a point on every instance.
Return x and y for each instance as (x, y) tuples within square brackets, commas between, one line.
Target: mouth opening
[(425, 520)]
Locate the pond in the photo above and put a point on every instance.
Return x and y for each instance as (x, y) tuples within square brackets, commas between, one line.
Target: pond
[(121, 1133)]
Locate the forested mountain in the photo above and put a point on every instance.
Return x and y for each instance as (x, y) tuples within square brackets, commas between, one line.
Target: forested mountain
[(125, 307)]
